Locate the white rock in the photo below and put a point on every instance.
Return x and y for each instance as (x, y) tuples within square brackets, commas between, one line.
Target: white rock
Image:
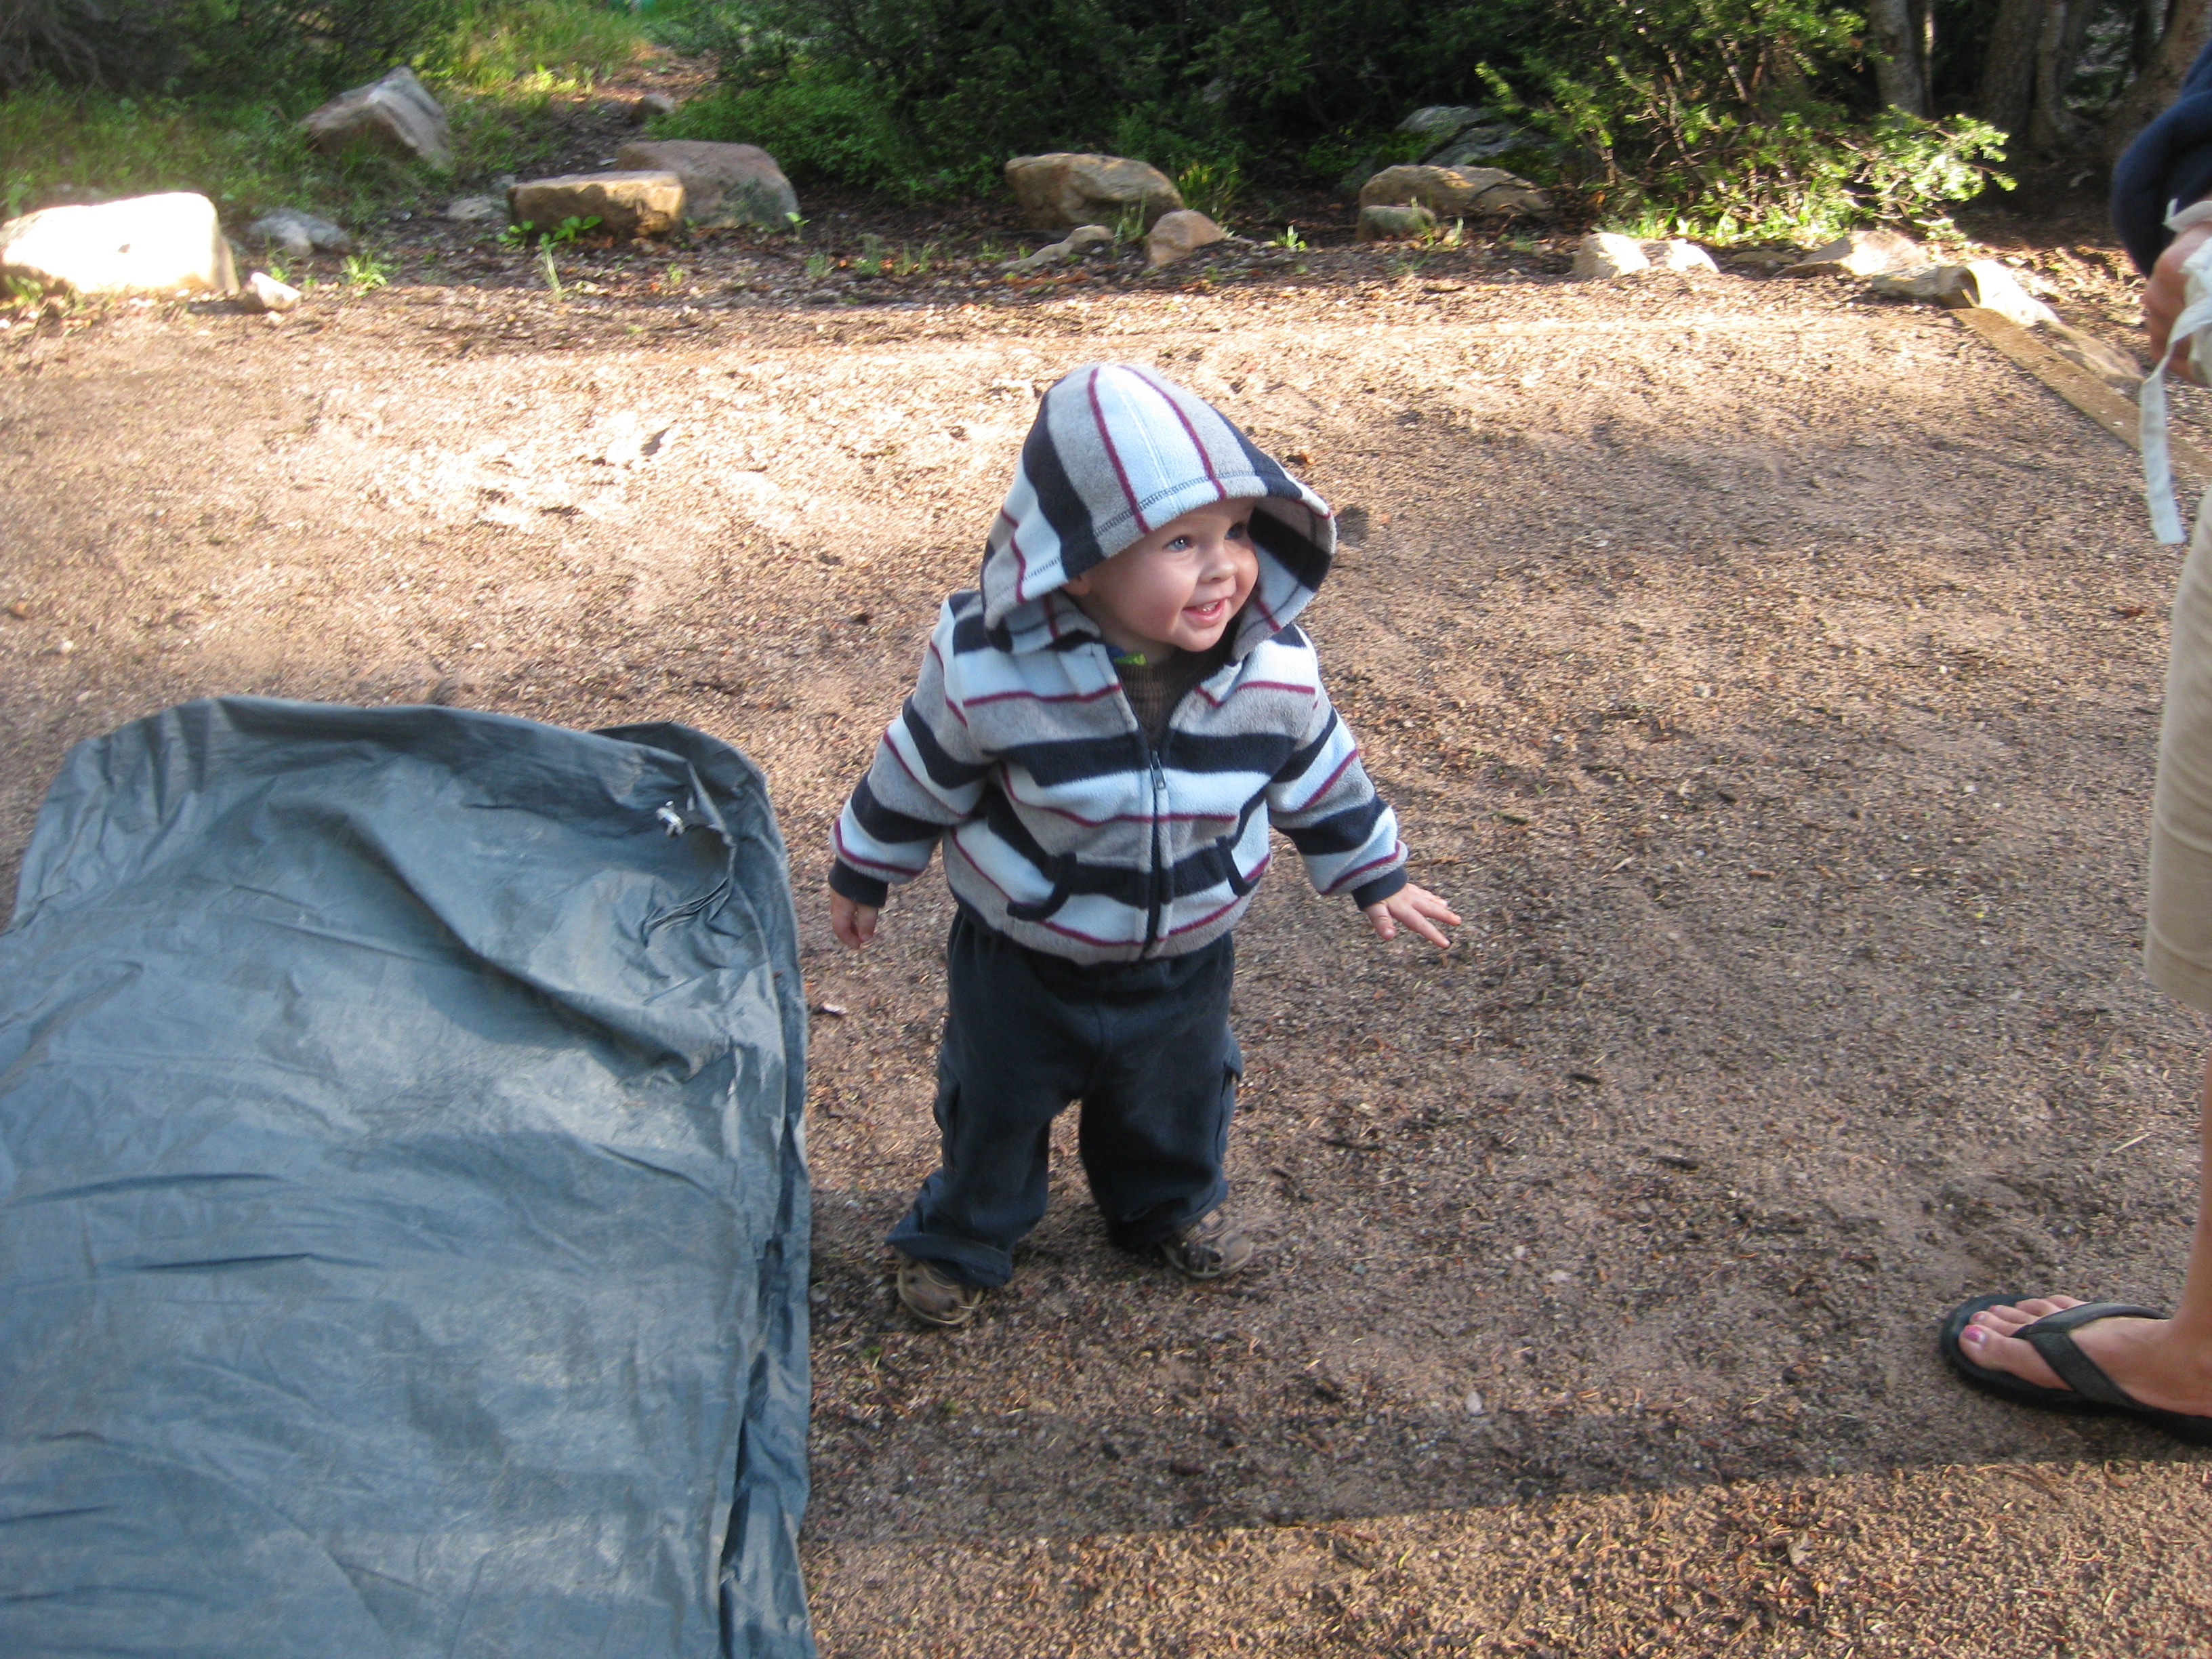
[(1678, 255), (651, 104), (1995, 288), (291, 231), (142, 245), (1474, 1402), (1178, 235), (396, 115), (272, 294), (1607, 253)]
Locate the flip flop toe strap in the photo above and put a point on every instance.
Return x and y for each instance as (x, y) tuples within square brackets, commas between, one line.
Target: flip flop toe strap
[(2051, 1337)]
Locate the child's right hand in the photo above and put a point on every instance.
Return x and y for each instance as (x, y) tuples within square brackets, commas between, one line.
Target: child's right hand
[(853, 924)]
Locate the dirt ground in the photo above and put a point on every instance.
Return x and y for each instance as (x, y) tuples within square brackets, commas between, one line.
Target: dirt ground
[(1771, 678)]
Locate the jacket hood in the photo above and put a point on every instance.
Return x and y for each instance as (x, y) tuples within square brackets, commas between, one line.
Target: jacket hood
[(1118, 450)]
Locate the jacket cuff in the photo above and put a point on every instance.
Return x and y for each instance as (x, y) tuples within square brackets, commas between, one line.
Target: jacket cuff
[(1374, 892), (844, 880)]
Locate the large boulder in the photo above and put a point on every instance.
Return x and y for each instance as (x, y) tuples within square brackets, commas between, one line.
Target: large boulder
[(626, 204), (1456, 192), (1179, 234), (1982, 283), (1392, 222), (732, 184), (1063, 190), (1861, 253), (1605, 253), (142, 245), (397, 115), (1460, 133)]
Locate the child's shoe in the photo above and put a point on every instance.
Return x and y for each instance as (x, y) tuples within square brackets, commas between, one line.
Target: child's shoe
[(934, 1296), (1208, 1248)]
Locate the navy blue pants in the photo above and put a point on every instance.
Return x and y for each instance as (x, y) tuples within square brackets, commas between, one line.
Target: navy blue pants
[(1144, 1045)]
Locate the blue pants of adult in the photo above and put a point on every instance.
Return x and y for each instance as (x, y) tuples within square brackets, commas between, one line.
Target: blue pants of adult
[(1144, 1045)]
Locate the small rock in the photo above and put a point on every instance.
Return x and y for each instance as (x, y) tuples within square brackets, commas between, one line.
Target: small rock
[(142, 245), (271, 295), (1457, 192), (651, 104), (1559, 1276), (726, 184), (396, 115), (1607, 253), (626, 204), (20, 611), (1678, 255), (1179, 234), (1078, 241), (66, 648), (1474, 1402), (1861, 253), (287, 230), (1946, 285), (475, 210), (1801, 1551), (1077, 188), (1385, 221)]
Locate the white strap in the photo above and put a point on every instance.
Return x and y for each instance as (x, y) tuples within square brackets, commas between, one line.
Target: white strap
[(2151, 429)]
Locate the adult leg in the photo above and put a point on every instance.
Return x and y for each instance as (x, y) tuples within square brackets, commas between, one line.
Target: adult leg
[(1013, 1054), (1156, 1114), (2163, 1363)]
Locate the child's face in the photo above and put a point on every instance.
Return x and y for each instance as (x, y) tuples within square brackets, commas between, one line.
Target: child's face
[(1181, 586)]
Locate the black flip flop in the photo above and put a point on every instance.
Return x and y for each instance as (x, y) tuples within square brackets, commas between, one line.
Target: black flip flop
[(2092, 1390)]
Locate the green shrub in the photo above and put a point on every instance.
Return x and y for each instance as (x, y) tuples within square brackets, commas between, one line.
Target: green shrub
[(819, 128), (1726, 118)]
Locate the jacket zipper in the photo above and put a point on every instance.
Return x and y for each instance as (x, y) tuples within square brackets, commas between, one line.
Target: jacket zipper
[(1159, 854)]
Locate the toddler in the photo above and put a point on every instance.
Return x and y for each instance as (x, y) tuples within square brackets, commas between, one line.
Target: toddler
[(1102, 735)]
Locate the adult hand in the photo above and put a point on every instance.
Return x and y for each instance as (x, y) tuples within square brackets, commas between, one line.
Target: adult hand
[(1413, 906), (853, 924), (2165, 292)]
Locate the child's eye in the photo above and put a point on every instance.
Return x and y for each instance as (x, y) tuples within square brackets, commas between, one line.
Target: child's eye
[(1240, 531), (1180, 544)]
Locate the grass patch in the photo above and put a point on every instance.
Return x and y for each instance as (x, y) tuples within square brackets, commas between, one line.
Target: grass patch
[(501, 76), (550, 45)]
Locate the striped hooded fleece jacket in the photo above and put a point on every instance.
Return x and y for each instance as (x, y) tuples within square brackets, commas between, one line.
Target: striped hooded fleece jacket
[(1064, 829)]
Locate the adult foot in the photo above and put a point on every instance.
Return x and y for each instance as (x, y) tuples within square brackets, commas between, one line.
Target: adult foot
[(2142, 1356)]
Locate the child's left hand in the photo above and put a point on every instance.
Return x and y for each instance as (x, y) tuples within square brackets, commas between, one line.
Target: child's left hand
[(1413, 906)]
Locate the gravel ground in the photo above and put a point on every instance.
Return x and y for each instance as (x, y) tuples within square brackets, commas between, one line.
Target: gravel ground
[(1770, 676)]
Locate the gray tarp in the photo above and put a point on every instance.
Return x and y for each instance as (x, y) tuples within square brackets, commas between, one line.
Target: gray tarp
[(402, 1203)]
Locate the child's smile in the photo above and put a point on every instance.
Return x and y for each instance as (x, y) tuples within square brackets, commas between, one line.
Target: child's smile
[(1180, 587)]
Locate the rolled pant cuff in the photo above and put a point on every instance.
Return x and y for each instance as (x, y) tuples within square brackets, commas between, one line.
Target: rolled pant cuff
[(1164, 1220), (971, 1263)]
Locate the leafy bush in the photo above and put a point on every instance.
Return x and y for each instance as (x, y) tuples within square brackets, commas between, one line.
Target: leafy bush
[(1724, 119)]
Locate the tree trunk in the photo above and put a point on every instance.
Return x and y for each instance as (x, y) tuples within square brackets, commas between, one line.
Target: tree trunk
[(2051, 124), (2006, 97), (1900, 70), (2153, 90)]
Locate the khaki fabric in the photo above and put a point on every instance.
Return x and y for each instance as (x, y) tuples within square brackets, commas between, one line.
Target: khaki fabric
[(2178, 932)]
